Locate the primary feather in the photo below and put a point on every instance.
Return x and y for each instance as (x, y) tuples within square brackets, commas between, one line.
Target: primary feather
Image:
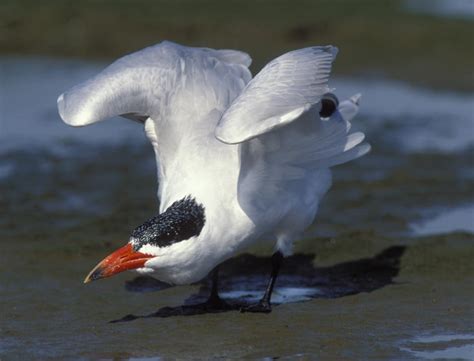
[(284, 89)]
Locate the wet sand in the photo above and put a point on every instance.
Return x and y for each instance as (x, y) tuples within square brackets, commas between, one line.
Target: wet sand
[(50, 314)]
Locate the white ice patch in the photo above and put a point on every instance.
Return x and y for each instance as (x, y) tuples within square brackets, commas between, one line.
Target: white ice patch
[(459, 219)]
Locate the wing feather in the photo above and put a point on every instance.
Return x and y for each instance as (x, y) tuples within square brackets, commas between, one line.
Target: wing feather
[(284, 89), (172, 90), (287, 169), (138, 85)]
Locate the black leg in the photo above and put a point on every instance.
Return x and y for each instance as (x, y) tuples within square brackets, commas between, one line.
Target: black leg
[(264, 304), (215, 281), (214, 301), (214, 304)]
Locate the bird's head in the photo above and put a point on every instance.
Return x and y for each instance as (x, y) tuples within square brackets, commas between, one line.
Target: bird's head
[(153, 239)]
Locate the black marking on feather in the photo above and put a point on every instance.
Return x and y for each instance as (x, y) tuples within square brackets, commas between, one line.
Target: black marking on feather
[(329, 104), (182, 220)]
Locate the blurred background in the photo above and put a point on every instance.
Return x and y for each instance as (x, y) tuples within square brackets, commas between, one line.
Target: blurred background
[(69, 196)]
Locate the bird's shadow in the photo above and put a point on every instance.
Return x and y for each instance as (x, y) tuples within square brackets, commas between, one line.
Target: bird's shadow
[(243, 279)]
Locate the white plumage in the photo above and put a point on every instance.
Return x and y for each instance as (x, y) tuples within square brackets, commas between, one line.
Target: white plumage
[(254, 152)]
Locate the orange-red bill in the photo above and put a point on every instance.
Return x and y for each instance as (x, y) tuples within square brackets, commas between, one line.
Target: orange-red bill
[(123, 259)]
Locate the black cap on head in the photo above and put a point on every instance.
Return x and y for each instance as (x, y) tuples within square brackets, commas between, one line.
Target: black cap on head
[(182, 220)]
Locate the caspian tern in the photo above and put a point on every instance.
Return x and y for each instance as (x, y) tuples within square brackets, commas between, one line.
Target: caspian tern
[(239, 160)]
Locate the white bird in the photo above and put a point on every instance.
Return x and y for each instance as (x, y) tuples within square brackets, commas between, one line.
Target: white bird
[(239, 160)]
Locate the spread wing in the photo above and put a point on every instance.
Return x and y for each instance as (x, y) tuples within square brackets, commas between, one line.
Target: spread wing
[(286, 171), (138, 86), (175, 90), (286, 146), (284, 89)]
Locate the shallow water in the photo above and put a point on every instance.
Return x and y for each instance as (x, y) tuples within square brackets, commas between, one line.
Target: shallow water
[(386, 271), (446, 8), (457, 219)]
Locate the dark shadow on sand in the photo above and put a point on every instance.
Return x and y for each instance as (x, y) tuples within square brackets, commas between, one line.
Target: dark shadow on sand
[(250, 273)]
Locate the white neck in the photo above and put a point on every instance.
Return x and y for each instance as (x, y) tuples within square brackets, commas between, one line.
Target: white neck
[(209, 172)]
